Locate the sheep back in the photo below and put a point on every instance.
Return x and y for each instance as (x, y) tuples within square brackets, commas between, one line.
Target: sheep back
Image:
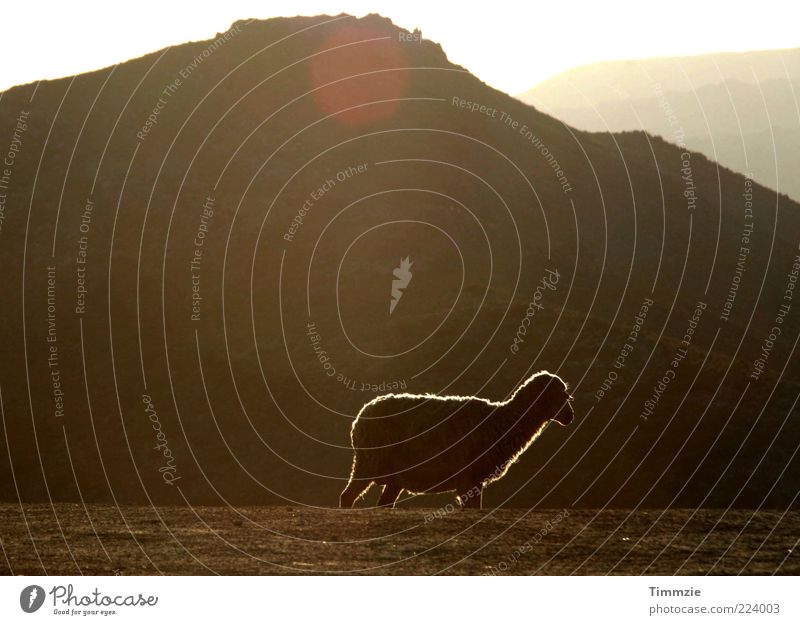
[(424, 443)]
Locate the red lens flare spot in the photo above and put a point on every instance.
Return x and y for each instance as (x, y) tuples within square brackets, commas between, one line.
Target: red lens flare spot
[(367, 61)]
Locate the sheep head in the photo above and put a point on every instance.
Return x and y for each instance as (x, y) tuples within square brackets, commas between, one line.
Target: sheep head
[(549, 393)]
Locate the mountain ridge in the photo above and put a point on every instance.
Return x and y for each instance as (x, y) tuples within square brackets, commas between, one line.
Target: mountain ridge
[(709, 106)]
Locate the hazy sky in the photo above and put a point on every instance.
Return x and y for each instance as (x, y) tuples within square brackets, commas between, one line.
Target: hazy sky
[(509, 45)]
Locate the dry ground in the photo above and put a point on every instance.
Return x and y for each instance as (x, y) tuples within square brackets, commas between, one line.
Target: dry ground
[(68, 539)]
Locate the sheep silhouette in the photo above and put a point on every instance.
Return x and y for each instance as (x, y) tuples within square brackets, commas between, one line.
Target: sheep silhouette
[(431, 444)]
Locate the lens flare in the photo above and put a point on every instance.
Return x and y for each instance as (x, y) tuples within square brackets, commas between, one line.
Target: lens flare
[(358, 65)]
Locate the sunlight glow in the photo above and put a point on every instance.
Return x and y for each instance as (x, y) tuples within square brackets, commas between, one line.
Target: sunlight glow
[(511, 46)]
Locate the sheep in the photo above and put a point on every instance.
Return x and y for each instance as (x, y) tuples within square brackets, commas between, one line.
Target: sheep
[(432, 444)]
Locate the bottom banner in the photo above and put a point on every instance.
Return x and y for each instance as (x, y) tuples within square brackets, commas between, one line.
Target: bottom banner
[(400, 599)]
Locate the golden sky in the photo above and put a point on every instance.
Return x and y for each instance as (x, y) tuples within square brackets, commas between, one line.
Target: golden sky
[(510, 45)]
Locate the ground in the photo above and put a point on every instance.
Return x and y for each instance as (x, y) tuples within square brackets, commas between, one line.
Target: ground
[(105, 540)]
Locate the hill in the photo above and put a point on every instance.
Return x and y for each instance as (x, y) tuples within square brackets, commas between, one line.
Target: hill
[(740, 109), (198, 250)]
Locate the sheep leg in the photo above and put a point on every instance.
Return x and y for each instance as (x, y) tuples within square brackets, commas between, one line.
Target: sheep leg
[(354, 489), (471, 497), (389, 495)]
